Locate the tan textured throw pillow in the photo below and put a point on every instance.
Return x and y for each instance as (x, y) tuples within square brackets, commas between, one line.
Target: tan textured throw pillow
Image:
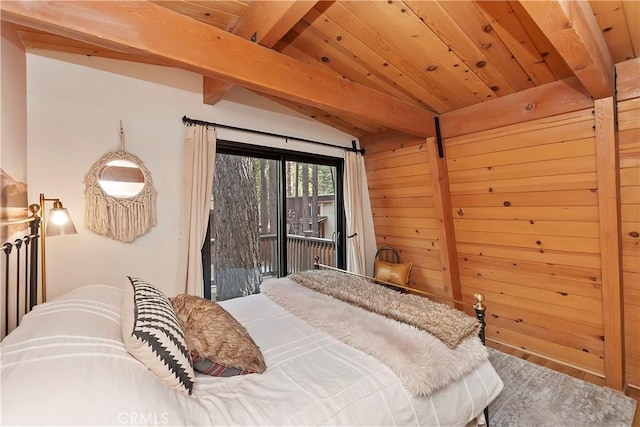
[(392, 273), (212, 333)]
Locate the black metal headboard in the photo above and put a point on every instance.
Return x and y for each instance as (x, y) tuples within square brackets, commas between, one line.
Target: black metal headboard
[(20, 274)]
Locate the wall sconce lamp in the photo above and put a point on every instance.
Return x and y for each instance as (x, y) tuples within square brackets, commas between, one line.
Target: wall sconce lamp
[(58, 224)]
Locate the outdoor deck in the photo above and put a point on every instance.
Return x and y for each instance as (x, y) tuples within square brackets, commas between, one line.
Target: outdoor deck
[(301, 251)]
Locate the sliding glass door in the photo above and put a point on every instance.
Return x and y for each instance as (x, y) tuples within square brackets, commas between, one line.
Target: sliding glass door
[(311, 215), (243, 227), (272, 213)]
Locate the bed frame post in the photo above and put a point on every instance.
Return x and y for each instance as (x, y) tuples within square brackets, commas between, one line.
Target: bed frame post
[(29, 261), (6, 249), (480, 312), (33, 256)]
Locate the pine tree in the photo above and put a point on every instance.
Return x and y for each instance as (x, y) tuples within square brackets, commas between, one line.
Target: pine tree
[(236, 252)]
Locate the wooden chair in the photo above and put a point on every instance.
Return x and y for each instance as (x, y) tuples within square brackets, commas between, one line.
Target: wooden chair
[(388, 254), (391, 256)]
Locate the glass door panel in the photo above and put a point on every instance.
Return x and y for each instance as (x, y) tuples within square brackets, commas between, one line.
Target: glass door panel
[(311, 215), (244, 225), (272, 213)]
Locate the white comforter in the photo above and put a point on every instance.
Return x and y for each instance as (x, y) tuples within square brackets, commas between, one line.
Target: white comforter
[(66, 365)]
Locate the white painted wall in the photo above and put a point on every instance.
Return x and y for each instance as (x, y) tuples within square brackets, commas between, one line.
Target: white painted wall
[(13, 104), (74, 106), (13, 137)]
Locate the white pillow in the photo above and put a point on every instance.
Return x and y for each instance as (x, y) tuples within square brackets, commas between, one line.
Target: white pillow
[(151, 333)]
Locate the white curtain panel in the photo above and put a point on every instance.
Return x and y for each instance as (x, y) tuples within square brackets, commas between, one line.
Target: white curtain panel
[(197, 184), (353, 172)]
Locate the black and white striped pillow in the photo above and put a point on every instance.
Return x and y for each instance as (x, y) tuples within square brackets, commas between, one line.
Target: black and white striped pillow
[(152, 334)]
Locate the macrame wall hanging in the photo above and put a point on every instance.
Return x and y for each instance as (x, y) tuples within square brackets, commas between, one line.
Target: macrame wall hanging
[(120, 201)]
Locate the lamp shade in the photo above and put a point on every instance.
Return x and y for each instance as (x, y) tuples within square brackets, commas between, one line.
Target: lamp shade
[(59, 221)]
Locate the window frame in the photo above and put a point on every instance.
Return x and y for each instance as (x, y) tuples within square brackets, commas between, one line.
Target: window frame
[(283, 156)]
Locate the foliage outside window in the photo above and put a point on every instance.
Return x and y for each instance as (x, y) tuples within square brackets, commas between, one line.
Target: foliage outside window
[(250, 238)]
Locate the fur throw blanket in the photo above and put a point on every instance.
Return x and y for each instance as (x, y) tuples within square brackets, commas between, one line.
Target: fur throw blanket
[(445, 323), (422, 362)]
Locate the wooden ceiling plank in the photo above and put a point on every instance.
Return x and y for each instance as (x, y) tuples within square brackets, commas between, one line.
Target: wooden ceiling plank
[(477, 28), (357, 127), (505, 23), (632, 13), (134, 27), (271, 20), (363, 128), (370, 37), (627, 73), (543, 101), (612, 21), (320, 116), (343, 37), (232, 7), (571, 27), (203, 13), (422, 37), (309, 39), (551, 56), (438, 21), (264, 23), (389, 142), (286, 47), (410, 49), (344, 122), (305, 46)]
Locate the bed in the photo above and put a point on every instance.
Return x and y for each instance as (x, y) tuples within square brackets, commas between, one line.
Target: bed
[(66, 364)]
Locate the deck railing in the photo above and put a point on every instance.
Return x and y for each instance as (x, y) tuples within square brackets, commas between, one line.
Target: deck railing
[(301, 251)]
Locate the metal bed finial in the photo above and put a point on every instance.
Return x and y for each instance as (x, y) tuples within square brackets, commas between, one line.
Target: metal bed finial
[(481, 311), (25, 268)]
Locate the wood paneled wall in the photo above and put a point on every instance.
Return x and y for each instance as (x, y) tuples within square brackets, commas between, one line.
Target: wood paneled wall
[(526, 221), (629, 155), (402, 204), (533, 230)]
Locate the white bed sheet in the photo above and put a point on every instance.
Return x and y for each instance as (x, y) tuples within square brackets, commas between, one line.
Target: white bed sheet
[(66, 365)]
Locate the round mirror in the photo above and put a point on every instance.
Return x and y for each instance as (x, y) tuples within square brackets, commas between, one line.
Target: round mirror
[(121, 178)]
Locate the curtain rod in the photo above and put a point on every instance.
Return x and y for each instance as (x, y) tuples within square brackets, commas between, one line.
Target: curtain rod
[(186, 120)]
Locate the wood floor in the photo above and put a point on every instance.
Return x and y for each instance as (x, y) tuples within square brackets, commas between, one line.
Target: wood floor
[(634, 393)]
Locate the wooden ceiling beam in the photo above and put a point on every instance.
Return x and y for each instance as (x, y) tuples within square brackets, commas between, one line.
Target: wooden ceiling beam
[(143, 28), (627, 79), (608, 169), (573, 30), (213, 90), (264, 22), (271, 20), (547, 100), (34, 39)]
